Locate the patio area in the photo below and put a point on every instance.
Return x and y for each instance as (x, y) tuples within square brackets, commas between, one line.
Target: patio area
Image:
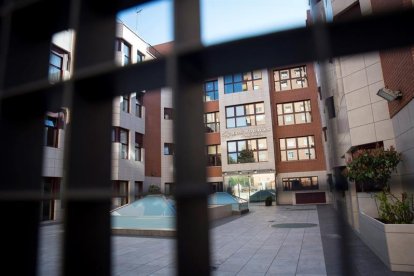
[(240, 245)]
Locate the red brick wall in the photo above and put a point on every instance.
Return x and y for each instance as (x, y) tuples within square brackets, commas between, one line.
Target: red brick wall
[(314, 128), (152, 137), (214, 172), (397, 65), (212, 138)]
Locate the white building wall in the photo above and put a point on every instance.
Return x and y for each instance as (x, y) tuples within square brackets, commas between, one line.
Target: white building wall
[(403, 123), (368, 118), (65, 40), (137, 44), (251, 132), (129, 169), (362, 117), (167, 165), (53, 157), (339, 6)]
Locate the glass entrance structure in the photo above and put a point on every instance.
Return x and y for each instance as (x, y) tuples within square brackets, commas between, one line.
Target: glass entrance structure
[(251, 187)]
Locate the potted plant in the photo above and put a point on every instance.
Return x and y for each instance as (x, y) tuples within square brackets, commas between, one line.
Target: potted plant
[(268, 201), (391, 235)]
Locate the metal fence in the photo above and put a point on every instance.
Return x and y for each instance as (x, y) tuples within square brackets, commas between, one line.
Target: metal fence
[(26, 94)]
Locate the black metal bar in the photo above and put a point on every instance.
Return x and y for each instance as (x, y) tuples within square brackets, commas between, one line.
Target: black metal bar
[(21, 143), (20, 160), (191, 190), (344, 38), (87, 246), (365, 34), (25, 95)]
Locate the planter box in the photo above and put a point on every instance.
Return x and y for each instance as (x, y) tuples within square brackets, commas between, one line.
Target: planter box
[(219, 211), (392, 243)]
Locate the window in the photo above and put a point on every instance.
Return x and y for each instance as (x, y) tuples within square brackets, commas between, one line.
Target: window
[(138, 105), (169, 188), (119, 193), (330, 106), (139, 189), (168, 149), (294, 113), (215, 187), (140, 57), (125, 48), (300, 183), (245, 115), (247, 151), (168, 113), (212, 122), (58, 62), (55, 67), (243, 82), (124, 100), (289, 79), (51, 132), (214, 155), (211, 91), (138, 146), (120, 135), (298, 148), (51, 187)]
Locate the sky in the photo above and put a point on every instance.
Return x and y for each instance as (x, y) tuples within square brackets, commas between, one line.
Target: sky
[(221, 20)]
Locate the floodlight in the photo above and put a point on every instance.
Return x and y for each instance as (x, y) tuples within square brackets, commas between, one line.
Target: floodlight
[(389, 94)]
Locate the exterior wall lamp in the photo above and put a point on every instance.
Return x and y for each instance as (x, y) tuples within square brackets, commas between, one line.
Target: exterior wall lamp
[(389, 94)]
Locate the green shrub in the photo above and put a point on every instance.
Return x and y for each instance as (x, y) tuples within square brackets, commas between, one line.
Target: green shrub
[(373, 167), (154, 189), (393, 210)]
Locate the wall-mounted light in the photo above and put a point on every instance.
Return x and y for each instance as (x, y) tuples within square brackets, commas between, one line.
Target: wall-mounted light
[(255, 171), (389, 94), (240, 172)]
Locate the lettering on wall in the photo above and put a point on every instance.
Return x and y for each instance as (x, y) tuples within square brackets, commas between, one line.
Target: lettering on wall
[(245, 133)]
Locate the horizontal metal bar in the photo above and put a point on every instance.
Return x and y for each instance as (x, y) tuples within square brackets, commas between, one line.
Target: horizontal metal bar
[(14, 6), (265, 51), (73, 194), (151, 75), (24, 11), (125, 4), (368, 33)]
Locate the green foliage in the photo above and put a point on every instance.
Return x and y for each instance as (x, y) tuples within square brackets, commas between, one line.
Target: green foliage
[(393, 210), (154, 189), (245, 156), (242, 180), (373, 166)]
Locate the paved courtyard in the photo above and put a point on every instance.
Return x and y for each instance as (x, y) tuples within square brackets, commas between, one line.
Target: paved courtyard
[(242, 245)]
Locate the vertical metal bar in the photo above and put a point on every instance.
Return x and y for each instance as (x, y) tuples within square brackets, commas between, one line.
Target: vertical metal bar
[(88, 153), (21, 141), (191, 190)]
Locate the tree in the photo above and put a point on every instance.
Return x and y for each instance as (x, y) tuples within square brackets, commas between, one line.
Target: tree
[(373, 167), (246, 156)]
